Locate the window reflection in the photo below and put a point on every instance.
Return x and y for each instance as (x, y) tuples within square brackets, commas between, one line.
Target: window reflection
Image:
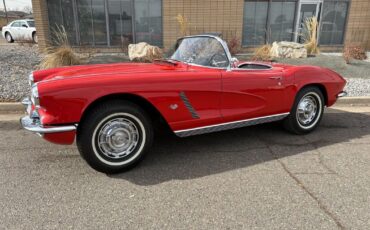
[(120, 22), (282, 21), (255, 18), (85, 22), (268, 21), (148, 21), (99, 22), (333, 22), (62, 16), (92, 17)]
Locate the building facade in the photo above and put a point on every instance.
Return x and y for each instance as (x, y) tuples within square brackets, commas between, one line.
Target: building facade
[(113, 24)]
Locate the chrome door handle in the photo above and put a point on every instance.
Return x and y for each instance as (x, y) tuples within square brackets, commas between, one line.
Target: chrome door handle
[(277, 78)]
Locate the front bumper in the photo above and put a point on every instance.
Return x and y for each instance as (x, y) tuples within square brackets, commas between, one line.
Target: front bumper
[(342, 94), (31, 121), (33, 125)]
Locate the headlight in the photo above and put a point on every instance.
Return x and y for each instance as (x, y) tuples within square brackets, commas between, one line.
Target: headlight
[(31, 79), (35, 95)]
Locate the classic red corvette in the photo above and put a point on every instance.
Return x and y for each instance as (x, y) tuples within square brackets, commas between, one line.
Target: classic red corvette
[(112, 109)]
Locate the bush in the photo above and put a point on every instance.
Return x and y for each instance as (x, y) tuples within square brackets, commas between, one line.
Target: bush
[(353, 52), (310, 37), (262, 53), (234, 45), (61, 54), (183, 24)]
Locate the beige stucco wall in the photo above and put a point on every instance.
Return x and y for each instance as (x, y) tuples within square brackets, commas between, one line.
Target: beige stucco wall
[(206, 16), (220, 16), (358, 27), (40, 14)]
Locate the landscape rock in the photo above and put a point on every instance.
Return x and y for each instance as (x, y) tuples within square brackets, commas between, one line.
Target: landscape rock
[(144, 52), (288, 50)]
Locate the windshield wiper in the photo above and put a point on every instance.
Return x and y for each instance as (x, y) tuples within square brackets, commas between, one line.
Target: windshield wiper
[(172, 62)]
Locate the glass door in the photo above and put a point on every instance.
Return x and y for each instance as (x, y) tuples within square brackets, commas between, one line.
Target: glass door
[(306, 10)]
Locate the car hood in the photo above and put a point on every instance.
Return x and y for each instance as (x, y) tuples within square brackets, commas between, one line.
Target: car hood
[(97, 70)]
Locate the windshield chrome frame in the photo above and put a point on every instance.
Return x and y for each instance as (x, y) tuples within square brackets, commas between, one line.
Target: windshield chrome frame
[(223, 44)]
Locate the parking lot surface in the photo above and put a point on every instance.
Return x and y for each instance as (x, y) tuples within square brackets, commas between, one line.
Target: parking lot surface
[(252, 178)]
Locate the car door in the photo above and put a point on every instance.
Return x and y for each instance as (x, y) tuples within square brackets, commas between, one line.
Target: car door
[(193, 99), (14, 30), (251, 93), (24, 31)]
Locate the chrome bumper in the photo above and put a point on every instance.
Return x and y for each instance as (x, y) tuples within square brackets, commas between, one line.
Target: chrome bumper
[(34, 125), (31, 122), (342, 94)]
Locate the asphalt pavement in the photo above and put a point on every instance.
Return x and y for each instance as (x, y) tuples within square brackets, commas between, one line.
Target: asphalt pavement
[(251, 178)]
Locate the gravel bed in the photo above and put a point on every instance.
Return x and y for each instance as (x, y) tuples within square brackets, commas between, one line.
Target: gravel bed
[(16, 62), (357, 87)]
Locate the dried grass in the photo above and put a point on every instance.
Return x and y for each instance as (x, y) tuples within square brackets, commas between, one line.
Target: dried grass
[(262, 53), (234, 45), (183, 24), (61, 53), (353, 52), (310, 36)]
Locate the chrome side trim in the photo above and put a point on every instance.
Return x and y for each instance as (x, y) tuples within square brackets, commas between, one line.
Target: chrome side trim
[(342, 94), (230, 125), (33, 125), (188, 105)]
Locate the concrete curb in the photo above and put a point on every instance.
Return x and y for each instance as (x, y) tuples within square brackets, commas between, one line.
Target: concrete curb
[(14, 107), (11, 107), (354, 101)]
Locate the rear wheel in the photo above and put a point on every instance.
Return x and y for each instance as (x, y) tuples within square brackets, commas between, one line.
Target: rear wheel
[(115, 136), (34, 37), (307, 111), (9, 37)]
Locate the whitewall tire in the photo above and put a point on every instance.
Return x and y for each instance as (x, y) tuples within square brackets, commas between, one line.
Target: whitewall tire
[(115, 136), (307, 111)]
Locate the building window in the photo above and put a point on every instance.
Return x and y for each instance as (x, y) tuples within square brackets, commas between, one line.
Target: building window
[(255, 21), (333, 22), (120, 22), (62, 16), (108, 22), (282, 21), (148, 21), (268, 21)]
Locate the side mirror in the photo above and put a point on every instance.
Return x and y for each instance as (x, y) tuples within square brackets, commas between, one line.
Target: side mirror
[(25, 26), (234, 62)]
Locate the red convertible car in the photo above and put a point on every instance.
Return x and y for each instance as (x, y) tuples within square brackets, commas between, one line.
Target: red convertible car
[(112, 109)]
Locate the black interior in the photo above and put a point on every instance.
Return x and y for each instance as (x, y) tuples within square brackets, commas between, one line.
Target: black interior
[(254, 66)]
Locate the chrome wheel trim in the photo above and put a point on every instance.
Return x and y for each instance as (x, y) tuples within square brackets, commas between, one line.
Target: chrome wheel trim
[(309, 110), (35, 39), (121, 140), (118, 138)]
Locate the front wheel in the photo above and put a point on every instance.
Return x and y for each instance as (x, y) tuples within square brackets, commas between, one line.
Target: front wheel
[(307, 111), (9, 37), (115, 136)]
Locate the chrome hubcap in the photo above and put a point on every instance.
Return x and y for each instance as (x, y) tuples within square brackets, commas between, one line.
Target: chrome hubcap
[(118, 138), (8, 38), (307, 110)]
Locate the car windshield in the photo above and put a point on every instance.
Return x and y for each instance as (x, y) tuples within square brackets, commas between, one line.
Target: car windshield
[(31, 23), (202, 50)]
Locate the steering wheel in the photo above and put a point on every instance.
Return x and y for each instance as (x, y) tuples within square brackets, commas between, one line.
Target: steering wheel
[(218, 60)]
